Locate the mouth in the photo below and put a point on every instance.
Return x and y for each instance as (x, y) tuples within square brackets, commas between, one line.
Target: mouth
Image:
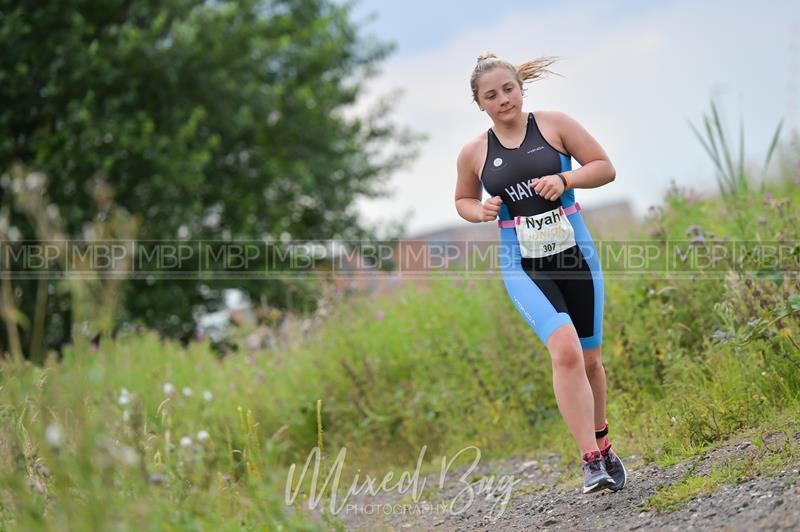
[(503, 111)]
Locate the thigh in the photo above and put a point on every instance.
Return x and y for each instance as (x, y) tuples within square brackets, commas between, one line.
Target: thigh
[(537, 298)]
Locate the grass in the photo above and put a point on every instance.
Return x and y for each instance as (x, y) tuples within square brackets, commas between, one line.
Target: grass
[(766, 462), (99, 440)]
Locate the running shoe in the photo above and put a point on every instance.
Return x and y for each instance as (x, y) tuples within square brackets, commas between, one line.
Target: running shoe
[(615, 468), (595, 477)]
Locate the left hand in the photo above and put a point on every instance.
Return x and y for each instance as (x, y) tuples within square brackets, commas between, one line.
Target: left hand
[(550, 187)]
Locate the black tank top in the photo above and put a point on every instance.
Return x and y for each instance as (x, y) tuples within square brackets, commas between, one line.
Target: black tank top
[(508, 173)]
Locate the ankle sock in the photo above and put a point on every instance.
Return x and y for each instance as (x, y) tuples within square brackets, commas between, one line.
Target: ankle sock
[(601, 435), (604, 450), (591, 456)]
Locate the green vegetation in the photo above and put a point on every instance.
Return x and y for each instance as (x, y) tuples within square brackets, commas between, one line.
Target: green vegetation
[(691, 361), (179, 121), (139, 435), (765, 461)]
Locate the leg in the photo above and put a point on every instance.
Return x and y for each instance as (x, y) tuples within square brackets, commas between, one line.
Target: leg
[(596, 374), (539, 300), (572, 388)]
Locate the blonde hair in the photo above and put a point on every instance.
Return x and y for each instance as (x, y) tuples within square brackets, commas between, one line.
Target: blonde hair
[(528, 71)]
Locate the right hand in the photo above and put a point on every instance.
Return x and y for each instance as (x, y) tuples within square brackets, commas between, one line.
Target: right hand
[(491, 209)]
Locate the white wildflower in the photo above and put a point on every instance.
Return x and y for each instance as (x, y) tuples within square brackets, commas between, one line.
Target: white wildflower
[(128, 456), (187, 391), (186, 441), (207, 395), (54, 435), (124, 397), (202, 436), (169, 389)]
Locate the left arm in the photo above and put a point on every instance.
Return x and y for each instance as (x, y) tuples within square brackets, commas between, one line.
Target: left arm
[(596, 169)]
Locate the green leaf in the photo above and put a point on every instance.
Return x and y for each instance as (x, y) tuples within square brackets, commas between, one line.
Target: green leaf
[(773, 144)]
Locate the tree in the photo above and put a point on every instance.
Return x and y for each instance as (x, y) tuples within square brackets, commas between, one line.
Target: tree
[(209, 119)]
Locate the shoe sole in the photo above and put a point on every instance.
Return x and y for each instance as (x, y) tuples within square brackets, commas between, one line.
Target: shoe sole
[(617, 487), (603, 484)]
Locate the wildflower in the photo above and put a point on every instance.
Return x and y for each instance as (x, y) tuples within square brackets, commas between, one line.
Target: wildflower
[(379, 315), (54, 435), (128, 456), (41, 469), (202, 436), (169, 389), (672, 420), (722, 336), (207, 395), (124, 397), (36, 484), (187, 391), (156, 479), (693, 230), (186, 442), (698, 240)]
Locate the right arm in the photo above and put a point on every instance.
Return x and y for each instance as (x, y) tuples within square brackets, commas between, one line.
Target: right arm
[(468, 190)]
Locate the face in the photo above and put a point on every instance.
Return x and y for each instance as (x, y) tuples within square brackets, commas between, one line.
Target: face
[(499, 94)]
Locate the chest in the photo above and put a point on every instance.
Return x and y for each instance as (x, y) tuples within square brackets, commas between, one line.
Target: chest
[(509, 173)]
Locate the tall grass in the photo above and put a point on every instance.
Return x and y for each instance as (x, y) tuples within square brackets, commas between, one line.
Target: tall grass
[(143, 434), (138, 435), (732, 178)]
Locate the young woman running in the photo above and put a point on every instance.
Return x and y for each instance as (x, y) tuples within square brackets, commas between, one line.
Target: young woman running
[(549, 263)]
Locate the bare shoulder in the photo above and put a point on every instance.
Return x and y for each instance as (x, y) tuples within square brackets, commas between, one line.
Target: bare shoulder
[(473, 153), (554, 126), (474, 145), (553, 118)]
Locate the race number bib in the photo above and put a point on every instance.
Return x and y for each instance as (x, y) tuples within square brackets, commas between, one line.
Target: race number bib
[(544, 234)]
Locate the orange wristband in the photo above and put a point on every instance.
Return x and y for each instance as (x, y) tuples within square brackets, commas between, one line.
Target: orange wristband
[(569, 183)]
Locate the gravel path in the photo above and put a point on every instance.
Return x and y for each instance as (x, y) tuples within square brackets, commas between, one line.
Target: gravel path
[(545, 496)]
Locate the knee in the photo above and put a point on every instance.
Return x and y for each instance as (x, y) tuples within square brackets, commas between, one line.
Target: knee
[(565, 351), (592, 361)]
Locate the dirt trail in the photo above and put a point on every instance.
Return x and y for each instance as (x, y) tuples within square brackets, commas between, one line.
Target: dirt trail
[(538, 501)]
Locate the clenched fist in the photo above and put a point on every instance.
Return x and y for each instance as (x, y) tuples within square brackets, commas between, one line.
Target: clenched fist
[(491, 209), (549, 187)]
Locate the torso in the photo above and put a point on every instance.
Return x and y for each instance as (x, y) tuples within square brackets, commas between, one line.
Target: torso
[(508, 172)]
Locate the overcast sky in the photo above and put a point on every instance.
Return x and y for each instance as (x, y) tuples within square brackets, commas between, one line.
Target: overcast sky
[(633, 74)]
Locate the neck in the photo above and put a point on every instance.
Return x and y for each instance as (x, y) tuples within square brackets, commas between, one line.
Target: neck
[(513, 125)]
